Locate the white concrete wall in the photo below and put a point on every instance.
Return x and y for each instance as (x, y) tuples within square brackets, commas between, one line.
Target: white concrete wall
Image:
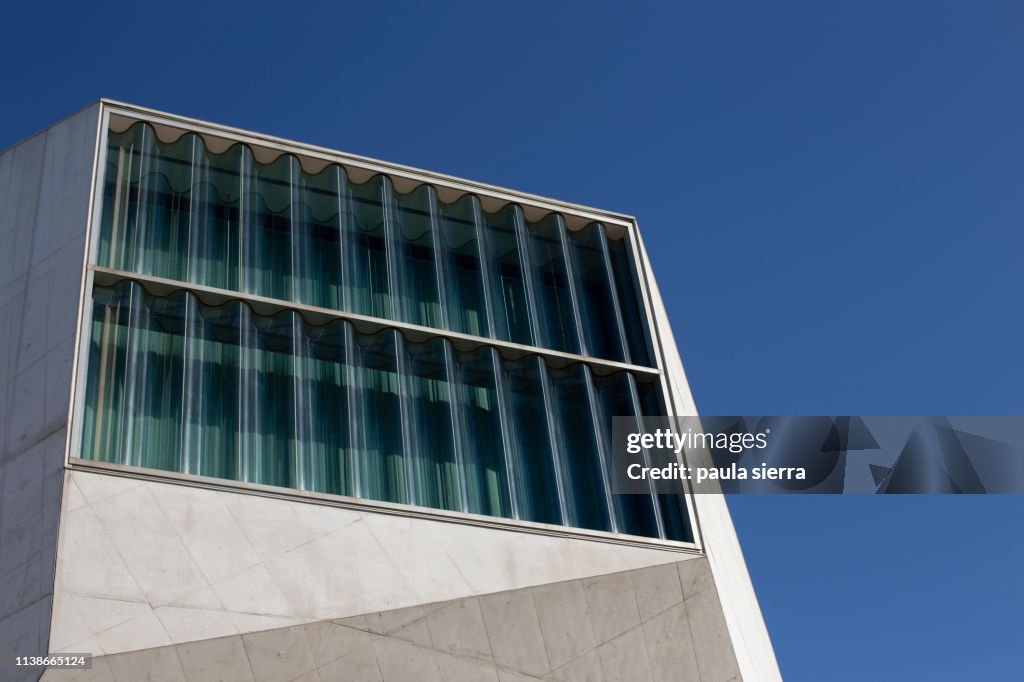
[(646, 625), (144, 564), (751, 642), (44, 193)]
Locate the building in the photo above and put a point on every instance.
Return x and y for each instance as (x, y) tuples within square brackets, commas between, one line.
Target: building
[(271, 411)]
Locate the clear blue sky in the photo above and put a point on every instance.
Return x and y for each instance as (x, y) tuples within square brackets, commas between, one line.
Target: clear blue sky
[(833, 198)]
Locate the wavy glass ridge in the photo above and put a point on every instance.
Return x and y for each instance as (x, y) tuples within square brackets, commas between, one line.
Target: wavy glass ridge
[(222, 391), (179, 211)]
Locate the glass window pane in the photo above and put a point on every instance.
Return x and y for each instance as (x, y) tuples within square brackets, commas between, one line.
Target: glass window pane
[(267, 226), (379, 462), (587, 486), (602, 321), (215, 237), (417, 265), (464, 281), (368, 257), (636, 512), (535, 470), (320, 259), (508, 277), (435, 466), (552, 286), (484, 443), (633, 317), (331, 394)]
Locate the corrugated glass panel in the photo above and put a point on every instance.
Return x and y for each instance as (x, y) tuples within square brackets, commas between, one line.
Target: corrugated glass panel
[(179, 211), (224, 391), (464, 262), (505, 248), (603, 326), (553, 286), (269, 396)]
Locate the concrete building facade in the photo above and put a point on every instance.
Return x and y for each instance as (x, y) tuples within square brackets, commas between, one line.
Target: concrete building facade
[(275, 412)]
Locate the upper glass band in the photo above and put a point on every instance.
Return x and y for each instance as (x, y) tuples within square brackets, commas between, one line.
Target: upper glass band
[(179, 211)]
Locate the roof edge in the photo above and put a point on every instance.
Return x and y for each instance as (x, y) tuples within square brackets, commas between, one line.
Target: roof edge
[(62, 119), (341, 156)]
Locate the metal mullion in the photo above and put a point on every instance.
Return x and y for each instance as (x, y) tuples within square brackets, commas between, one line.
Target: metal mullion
[(80, 358), (440, 273), (526, 264), (485, 266), (555, 440), (620, 323), (603, 456), (634, 397), (457, 426), (574, 283)]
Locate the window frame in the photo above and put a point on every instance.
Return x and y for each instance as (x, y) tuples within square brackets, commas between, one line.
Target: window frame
[(405, 178)]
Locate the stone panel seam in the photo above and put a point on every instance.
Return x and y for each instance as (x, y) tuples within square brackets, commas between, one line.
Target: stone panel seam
[(387, 555), (153, 606), (667, 608), (110, 541), (185, 544), (12, 455), (32, 244), (245, 650), (376, 661), (540, 627), (27, 606), (580, 657), (461, 656), (638, 627), (51, 578), (457, 569), (439, 605), (689, 623)]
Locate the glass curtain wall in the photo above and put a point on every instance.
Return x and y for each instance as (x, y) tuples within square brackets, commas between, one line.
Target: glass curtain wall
[(225, 220), (210, 385), (222, 391)]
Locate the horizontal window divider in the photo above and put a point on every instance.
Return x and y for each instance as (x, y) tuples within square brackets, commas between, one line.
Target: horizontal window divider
[(263, 305), (378, 507)]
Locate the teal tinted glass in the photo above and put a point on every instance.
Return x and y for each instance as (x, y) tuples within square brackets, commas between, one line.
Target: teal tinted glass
[(587, 485), (282, 395), (179, 211), (536, 472), (483, 430), (505, 247), (465, 278), (603, 326), (554, 286), (273, 399)]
